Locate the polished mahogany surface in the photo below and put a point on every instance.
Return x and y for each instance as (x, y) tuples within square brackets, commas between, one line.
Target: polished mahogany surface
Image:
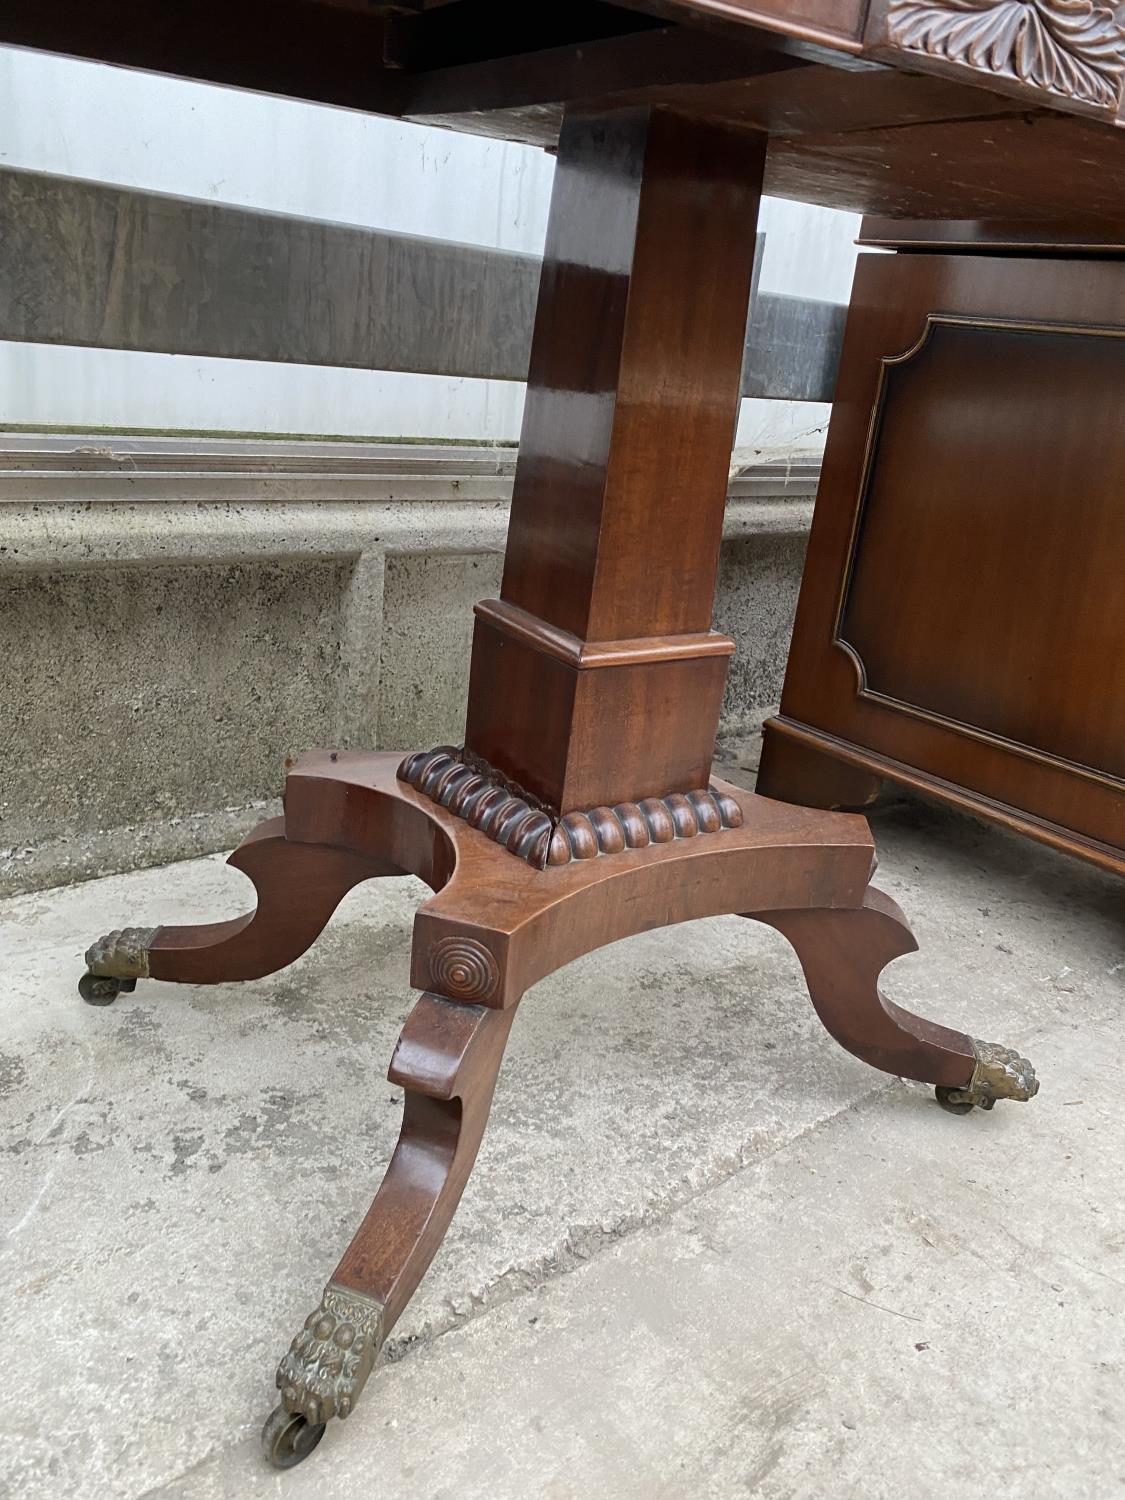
[(596, 678), (968, 530), (625, 346), (962, 620)]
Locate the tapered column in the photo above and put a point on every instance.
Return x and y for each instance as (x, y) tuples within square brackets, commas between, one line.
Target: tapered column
[(596, 678)]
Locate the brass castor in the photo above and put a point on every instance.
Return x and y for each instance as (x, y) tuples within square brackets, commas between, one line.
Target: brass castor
[(288, 1438), (103, 989), (1000, 1073), (955, 1102)]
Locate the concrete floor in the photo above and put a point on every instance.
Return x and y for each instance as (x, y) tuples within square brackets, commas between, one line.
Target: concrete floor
[(705, 1252)]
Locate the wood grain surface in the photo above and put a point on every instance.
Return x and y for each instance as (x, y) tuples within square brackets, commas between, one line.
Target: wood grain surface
[(961, 619)]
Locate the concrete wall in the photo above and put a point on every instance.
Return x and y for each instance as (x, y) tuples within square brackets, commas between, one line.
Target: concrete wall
[(168, 638)]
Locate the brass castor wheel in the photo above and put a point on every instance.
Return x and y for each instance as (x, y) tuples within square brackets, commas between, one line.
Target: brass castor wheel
[(955, 1102), (1000, 1073), (288, 1438), (103, 989)]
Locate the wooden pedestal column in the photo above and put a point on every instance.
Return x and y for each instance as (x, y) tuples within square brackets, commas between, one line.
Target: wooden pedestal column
[(596, 678)]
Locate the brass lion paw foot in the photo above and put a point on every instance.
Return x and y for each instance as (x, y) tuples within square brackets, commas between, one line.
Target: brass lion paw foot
[(1000, 1073), (323, 1374), (114, 964)]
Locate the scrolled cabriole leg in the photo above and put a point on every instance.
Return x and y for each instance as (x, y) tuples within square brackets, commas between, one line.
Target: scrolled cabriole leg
[(843, 951), (299, 886), (447, 1061)]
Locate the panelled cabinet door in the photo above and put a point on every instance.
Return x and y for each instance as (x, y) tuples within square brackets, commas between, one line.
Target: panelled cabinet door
[(963, 610)]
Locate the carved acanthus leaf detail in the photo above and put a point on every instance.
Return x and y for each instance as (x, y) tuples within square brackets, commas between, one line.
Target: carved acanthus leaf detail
[(1072, 48)]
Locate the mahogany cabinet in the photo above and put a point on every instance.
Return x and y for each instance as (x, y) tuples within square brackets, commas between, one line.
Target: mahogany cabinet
[(961, 626)]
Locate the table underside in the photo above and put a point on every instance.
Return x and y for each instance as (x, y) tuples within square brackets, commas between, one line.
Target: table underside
[(861, 114)]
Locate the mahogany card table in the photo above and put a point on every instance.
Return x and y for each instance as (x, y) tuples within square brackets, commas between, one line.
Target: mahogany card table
[(579, 806)]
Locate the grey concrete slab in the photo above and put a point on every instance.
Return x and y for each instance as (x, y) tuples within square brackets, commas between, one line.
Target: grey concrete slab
[(692, 1254), (901, 1304)]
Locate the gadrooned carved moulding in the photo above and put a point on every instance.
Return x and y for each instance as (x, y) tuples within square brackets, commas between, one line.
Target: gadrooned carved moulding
[(1074, 49), (475, 791), (488, 801)]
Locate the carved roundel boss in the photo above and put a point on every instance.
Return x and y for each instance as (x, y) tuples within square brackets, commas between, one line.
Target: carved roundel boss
[(463, 969)]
